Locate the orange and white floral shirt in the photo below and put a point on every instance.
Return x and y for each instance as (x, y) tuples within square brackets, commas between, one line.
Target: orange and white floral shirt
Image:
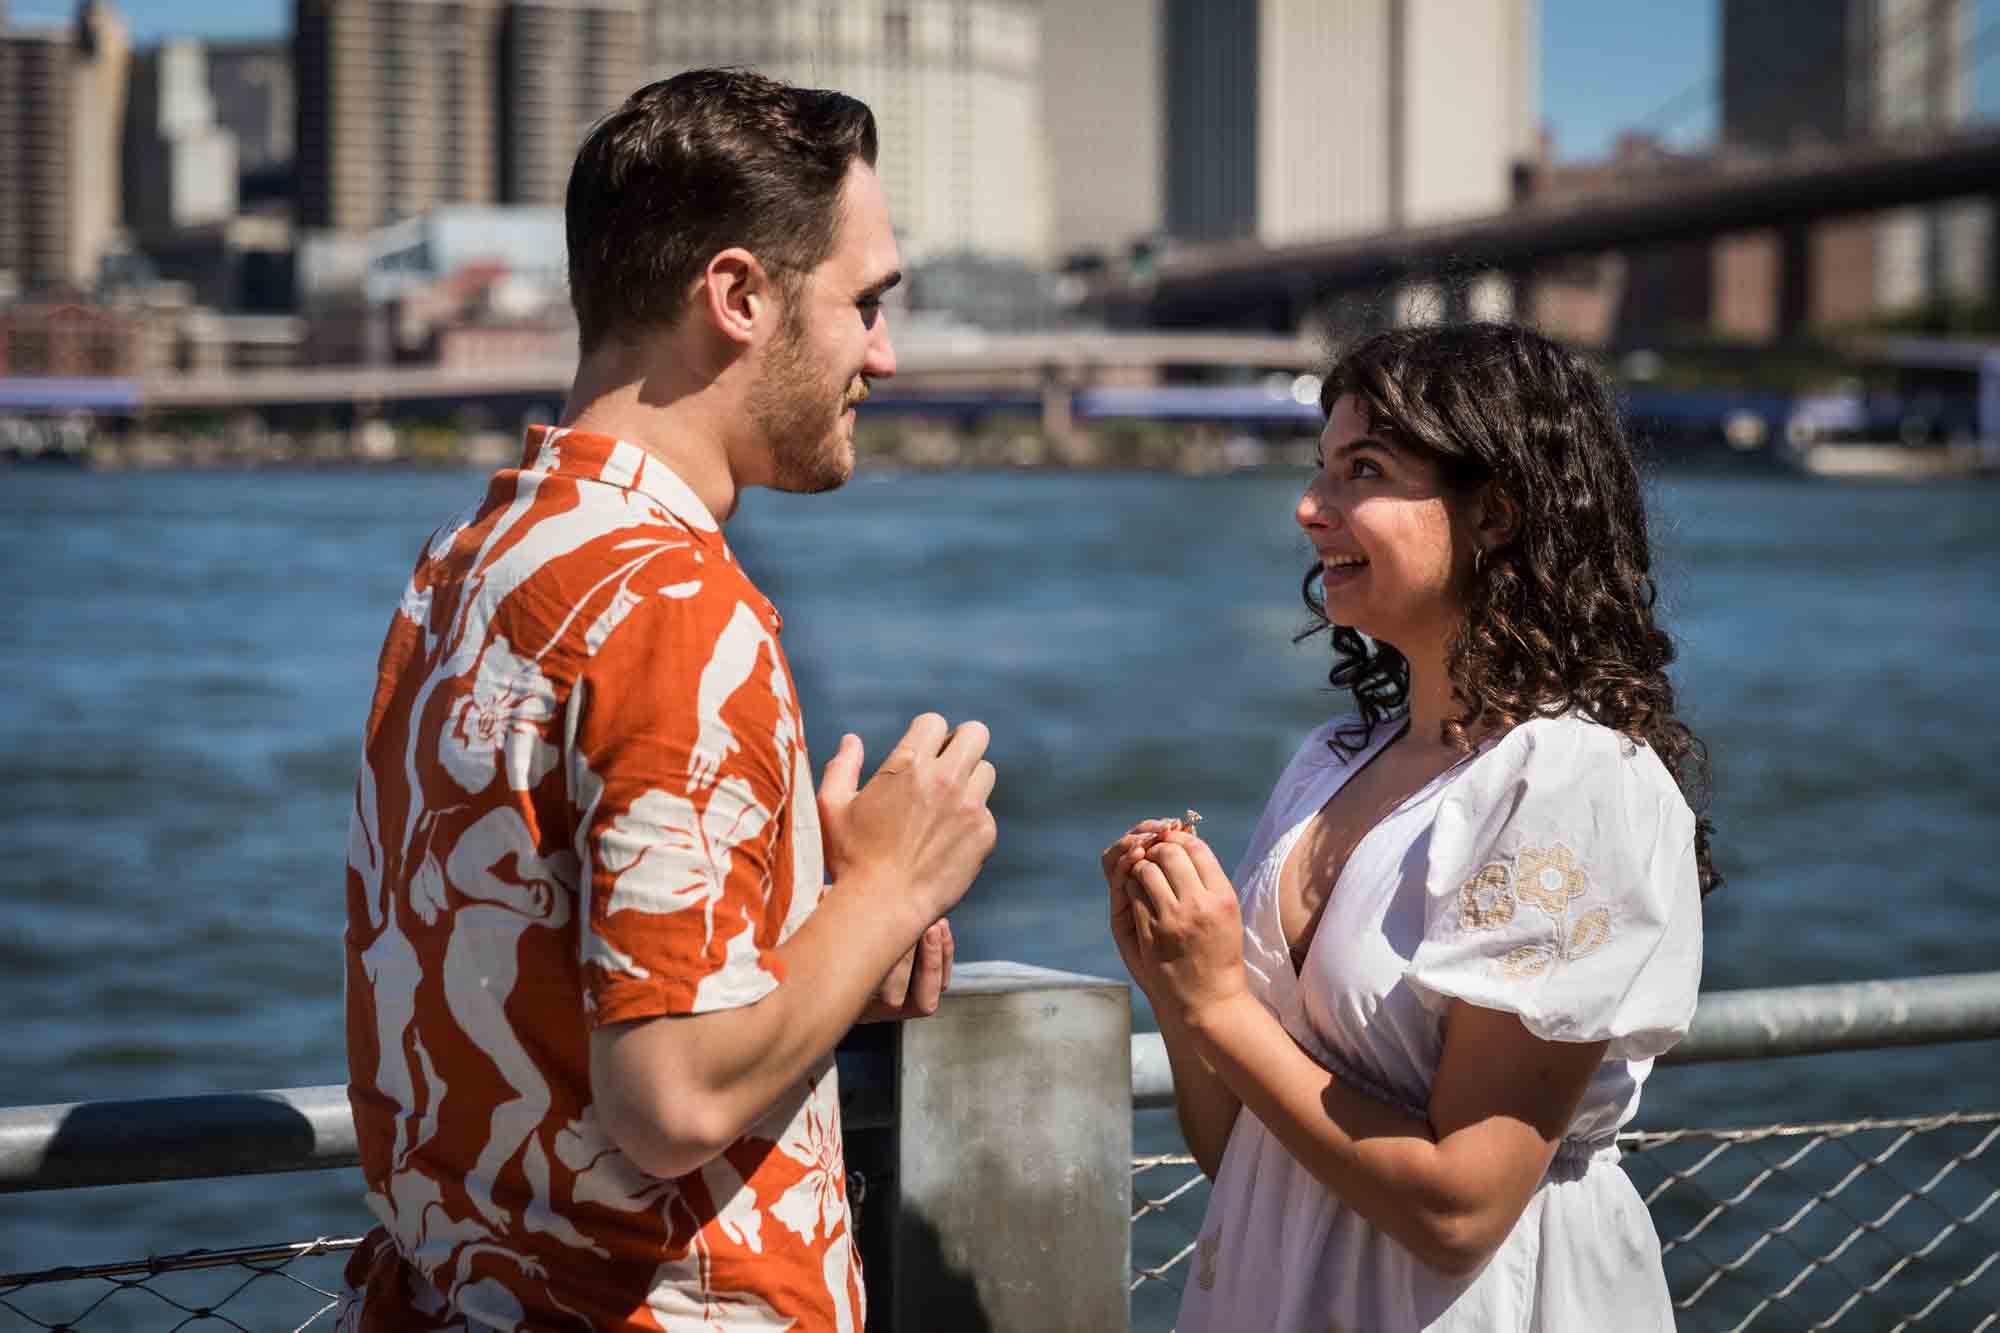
[(584, 799)]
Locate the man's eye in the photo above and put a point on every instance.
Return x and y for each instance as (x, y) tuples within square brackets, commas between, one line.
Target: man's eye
[(871, 310), (1365, 467)]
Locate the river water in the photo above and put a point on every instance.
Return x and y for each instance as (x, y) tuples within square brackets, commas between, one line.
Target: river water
[(187, 658)]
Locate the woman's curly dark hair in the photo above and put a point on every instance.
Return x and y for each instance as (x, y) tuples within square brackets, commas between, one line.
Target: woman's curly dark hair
[(1560, 615)]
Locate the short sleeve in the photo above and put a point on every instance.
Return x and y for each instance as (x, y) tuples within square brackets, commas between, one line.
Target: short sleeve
[(1561, 887), (681, 771)]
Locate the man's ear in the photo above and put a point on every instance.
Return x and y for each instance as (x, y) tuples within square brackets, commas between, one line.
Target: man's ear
[(734, 291)]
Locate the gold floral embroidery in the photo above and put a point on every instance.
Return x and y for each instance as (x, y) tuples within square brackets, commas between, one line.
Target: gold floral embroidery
[(1550, 878), (1530, 960), (1207, 1247), (1486, 901), (1593, 928)]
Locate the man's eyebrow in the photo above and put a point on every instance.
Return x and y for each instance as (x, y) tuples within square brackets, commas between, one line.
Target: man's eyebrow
[(881, 285)]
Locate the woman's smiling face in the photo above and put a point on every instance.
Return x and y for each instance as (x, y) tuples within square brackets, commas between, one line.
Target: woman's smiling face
[(1394, 542)]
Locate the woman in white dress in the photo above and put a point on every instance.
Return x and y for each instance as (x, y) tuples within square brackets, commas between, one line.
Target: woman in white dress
[(1405, 1037)]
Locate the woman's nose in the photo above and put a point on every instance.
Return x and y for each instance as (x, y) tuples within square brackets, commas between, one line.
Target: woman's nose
[(1312, 512)]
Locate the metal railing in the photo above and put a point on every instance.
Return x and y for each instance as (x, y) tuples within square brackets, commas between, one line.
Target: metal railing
[(1860, 1224), (1865, 1224)]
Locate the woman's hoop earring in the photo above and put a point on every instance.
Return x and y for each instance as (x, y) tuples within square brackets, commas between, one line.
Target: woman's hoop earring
[(1478, 560)]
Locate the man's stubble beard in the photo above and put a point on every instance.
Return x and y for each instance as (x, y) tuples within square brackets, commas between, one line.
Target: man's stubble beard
[(791, 409)]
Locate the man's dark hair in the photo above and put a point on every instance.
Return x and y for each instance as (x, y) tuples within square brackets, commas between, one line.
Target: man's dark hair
[(692, 165)]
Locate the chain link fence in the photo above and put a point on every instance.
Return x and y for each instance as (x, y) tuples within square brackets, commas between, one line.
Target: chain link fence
[(1870, 1225), (1858, 1224), (1863, 1224), (199, 1289)]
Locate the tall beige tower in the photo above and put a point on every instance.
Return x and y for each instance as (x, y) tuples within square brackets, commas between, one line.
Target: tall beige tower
[(1102, 74), (97, 123), (1300, 120), (955, 86), (62, 105)]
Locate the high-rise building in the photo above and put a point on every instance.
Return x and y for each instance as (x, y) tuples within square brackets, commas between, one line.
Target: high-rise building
[(1798, 71), (397, 103), (1299, 120), (97, 125), (563, 64), (1212, 118), (955, 85), (180, 166), (1104, 119), (62, 105), (251, 84), (36, 67), (408, 105)]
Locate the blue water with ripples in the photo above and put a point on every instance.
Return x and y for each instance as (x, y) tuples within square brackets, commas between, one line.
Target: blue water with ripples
[(186, 659)]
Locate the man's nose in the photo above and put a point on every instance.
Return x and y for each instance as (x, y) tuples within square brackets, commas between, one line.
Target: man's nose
[(880, 363)]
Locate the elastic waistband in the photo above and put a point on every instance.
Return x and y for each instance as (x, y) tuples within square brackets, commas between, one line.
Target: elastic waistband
[(1578, 1154)]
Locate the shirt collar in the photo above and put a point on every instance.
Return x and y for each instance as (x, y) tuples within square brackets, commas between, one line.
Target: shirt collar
[(562, 452)]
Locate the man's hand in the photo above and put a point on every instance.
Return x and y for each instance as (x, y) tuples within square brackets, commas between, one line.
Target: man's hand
[(919, 828), (917, 981), (674, 1092)]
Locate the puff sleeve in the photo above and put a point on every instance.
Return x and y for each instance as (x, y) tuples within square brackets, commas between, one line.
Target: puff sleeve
[(1561, 887)]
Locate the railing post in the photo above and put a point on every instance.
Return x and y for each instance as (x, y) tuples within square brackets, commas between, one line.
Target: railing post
[(1012, 1160)]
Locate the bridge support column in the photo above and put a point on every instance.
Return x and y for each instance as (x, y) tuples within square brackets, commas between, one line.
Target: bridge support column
[(1058, 403), (1990, 279), (1794, 281)]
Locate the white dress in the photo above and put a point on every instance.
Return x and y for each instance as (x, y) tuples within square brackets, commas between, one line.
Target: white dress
[(1551, 875)]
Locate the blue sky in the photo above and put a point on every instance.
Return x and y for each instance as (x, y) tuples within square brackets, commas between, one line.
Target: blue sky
[(1606, 64)]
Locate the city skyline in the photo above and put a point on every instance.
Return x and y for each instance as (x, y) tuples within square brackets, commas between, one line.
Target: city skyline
[(1606, 66)]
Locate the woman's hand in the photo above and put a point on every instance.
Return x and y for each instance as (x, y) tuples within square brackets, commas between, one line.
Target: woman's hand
[(1186, 928), (1118, 860)]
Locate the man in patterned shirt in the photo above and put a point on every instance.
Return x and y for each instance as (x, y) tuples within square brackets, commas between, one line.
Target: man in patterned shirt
[(596, 964)]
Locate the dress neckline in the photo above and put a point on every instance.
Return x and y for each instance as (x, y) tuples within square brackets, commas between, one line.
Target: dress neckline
[(1349, 769), (1289, 842)]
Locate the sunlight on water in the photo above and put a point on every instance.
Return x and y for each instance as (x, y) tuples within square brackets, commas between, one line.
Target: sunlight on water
[(189, 658)]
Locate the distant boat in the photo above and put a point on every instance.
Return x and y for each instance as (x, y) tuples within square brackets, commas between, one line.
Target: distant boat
[(1895, 462)]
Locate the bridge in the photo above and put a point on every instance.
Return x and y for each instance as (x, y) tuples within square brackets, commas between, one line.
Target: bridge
[(930, 367), (1246, 285)]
